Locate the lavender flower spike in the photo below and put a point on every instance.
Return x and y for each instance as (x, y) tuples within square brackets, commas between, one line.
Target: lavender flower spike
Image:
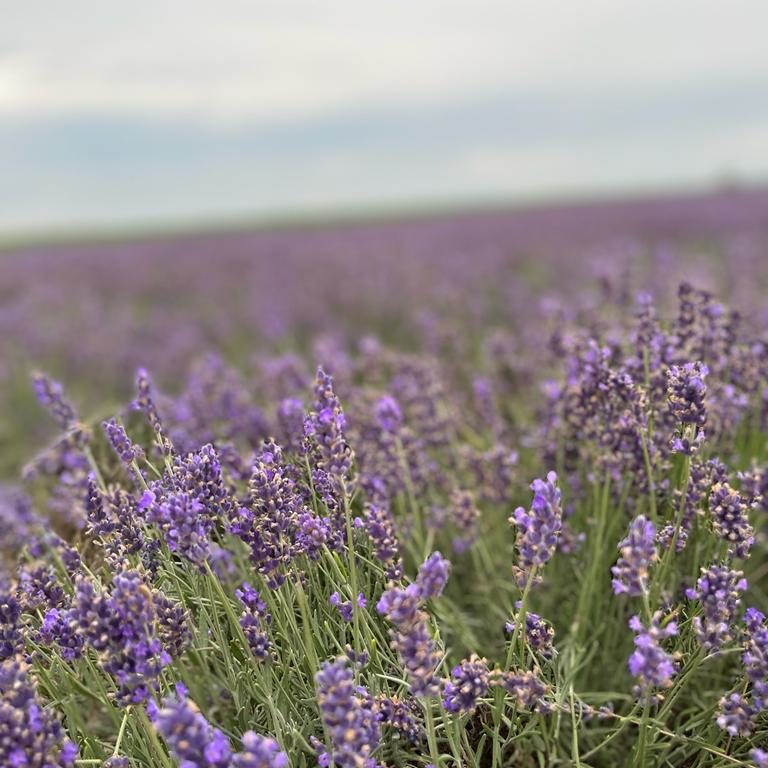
[(638, 553), (30, 734), (50, 395), (191, 739), (650, 663), (539, 528), (259, 752), (469, 682), (719, 589), (433, 576), (730, 518), (755, 657), (686, 391), (349, 717)]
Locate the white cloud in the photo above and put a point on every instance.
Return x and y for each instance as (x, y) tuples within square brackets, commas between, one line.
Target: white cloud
[(277, 60)]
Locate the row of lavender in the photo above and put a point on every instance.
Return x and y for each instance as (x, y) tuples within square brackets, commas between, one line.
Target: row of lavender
[(479, 292), (245, 572)]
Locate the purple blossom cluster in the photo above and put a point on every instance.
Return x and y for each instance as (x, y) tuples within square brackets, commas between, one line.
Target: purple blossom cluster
[(539, 633), (411, 636), (127, 451), (254, 620), (719, 590), (650, 663), (465, 517), (686, 390), (133, 637), (31, 735), (730, 519), (638, 553), (738, 711), (239, 479), (344, 607), (402, 716), (269, 519), (50, 394), (526, 689), (755, 657), (469, 682), (349, 716), (188, 504), (145, 402), (325, 435), (538, 529), (195, 743)]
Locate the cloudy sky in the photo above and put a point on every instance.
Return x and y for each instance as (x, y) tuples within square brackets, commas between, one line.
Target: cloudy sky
[(149, 112)]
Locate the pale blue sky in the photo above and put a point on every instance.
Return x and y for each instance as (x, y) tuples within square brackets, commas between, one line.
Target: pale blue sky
[(122, 113)]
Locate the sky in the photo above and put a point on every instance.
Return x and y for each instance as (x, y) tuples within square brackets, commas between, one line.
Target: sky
[(115, 114)]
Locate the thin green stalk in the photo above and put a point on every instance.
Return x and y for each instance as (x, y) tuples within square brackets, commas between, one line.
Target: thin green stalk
[(120, 733), (307, 628), (520, 617), (639, 756), (429, 724), (358, 645)]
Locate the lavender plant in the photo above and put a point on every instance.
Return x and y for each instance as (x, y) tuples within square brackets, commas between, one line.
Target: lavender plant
[(249, 569)]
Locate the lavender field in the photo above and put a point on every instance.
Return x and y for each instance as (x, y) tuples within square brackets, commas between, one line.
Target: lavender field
[(484, 489)]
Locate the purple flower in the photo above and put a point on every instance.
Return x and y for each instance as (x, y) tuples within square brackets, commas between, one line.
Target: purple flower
[(759, 756), (185, 528), (735, 715), (191, 739), (469, 682), (401, 715), (268, 521), (719, 589), (345, 606), (253, 619), (145, 403), (686, 390), (30, 734), (313, 533), (11, 638), (172, 624), (525, 688), (538, 632), (127, 451), (57, 629), (465, 516), (755, 656), (50, 395), (324, 430), (539, 528), (349, 716), (419, 655), (117, 762), (122, 627), (290, 417), (638, 553), (400, 605), (650, 663), (259, 752), (433, 576), (730, 518), (388, 414), (380, 527)]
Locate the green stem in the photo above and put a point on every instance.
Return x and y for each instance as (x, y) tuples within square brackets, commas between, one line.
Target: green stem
[(121, 731), (429, 723), (352, 576), (520, 617)]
